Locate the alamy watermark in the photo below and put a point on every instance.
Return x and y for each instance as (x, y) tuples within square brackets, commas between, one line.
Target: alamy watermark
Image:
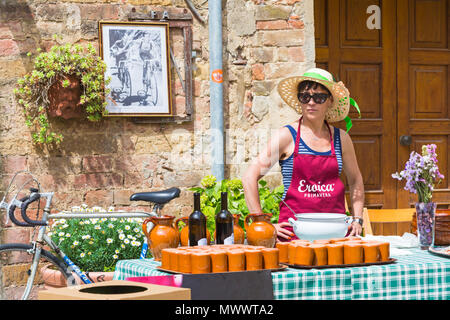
[(374, 20)]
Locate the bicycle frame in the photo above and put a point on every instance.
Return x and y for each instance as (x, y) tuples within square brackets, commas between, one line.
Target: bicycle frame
[(43, 238)]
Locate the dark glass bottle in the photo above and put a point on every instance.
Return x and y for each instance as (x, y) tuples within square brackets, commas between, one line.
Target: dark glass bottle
[(197, 224), (224, 223)]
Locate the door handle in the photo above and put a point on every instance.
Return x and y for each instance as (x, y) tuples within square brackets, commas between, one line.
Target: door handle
[(405, 140)]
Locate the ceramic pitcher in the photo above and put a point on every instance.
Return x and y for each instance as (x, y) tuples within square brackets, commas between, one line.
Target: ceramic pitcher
[(239, 235), (260, 232), (163, 235)]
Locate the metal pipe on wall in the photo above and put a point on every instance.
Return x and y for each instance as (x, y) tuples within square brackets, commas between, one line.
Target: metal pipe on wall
[(216, 87)]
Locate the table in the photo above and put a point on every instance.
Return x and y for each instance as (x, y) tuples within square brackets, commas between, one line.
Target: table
[(418, 276)]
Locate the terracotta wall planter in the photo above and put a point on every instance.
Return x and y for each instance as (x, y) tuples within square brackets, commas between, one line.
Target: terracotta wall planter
[(65, 101), (55, 279)]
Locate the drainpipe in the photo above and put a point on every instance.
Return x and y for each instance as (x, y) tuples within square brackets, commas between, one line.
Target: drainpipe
[(216, 87)]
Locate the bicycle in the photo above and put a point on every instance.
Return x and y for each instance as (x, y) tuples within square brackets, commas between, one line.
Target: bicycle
[(125, 80), (33, 255)]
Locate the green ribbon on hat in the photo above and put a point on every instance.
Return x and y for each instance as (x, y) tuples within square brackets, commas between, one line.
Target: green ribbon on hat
[(315, 75), (347, 119)]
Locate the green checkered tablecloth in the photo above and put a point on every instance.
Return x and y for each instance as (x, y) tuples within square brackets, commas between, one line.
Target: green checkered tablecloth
[(418, 276)]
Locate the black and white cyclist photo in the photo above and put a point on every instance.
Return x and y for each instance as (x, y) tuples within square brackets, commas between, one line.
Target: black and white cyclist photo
[(137, 61)]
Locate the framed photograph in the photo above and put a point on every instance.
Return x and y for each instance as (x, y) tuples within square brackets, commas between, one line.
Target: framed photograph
[(138, 61)]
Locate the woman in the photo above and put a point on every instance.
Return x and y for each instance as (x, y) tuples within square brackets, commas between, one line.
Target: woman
[(311, 154)]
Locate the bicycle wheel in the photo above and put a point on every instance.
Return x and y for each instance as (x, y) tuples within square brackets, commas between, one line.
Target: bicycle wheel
[(126, 84), (15, 268)]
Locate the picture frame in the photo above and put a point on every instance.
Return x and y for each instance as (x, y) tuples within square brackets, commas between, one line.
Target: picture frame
[(137, 58)]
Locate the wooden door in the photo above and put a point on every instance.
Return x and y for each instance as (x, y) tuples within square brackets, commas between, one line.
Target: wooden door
[(365, 60), (400, 77), (423, 82)]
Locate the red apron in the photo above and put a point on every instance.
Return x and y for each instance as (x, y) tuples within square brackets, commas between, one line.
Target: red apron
[(315, 185)]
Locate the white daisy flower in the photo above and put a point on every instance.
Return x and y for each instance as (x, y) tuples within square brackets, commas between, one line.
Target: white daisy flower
[(110, 226), (75, 243), (68, 235), (126, 241), (115, 256), (61, 234), (85, 237), (97, 227), (109, 240), (82, 255)]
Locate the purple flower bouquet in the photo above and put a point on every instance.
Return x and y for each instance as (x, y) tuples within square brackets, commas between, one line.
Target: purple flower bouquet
[(421, 173)]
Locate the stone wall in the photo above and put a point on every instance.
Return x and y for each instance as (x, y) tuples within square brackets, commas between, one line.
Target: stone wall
[(104, 163)]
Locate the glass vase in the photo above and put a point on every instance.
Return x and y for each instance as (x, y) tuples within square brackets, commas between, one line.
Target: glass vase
[(425, 212)]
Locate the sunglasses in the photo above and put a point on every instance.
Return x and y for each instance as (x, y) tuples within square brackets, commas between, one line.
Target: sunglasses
[(319, 98)]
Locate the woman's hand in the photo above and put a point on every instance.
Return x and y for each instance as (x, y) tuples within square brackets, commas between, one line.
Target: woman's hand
[(282, 232), (355, 229)]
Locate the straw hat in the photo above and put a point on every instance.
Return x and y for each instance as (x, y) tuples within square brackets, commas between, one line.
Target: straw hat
[(288, 90)]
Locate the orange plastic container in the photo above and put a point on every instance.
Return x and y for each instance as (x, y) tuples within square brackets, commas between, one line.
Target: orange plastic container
[(283, 251), (236, 260), (371, 252), (353, 253), (184, 261), (219, 261), (304, 255), (253, 259), (320, 254), (384, 251), (165, 259), (200, 262), (291, 252), (271, 258), (335, 253)]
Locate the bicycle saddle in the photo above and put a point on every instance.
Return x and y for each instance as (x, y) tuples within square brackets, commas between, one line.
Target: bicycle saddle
[(159, 197)]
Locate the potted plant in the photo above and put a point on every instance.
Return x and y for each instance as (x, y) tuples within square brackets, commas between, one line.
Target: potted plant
[(68, 82), (422, 174), (210, 191), (95, 245)]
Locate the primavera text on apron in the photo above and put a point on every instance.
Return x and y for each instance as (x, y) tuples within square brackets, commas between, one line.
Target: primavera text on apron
[(315, 185)]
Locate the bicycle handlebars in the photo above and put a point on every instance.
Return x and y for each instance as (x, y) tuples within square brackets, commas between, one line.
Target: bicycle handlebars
[(12, 208), (25, 202), (34, 197)]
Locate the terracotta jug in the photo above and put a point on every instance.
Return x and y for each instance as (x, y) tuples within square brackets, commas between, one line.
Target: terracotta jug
[(260, 232), (239, 235), (184, 233), (163, 235)]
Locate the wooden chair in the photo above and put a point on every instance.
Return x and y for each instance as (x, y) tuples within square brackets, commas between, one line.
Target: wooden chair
[(387, 222)]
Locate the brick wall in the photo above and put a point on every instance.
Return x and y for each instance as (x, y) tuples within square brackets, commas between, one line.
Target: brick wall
[(102, 164)]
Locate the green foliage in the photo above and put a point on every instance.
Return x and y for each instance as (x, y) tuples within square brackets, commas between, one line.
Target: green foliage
[(210, 199), (97, 244), (61, 61)]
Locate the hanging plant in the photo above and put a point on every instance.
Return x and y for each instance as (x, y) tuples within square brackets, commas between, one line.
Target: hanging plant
[(68, 82)]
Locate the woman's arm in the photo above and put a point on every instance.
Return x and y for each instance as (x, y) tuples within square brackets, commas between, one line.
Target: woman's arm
[(259, 167), (354, 179), (274, 150)]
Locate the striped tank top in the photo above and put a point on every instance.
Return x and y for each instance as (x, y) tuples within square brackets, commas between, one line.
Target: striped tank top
[(287, 165)]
